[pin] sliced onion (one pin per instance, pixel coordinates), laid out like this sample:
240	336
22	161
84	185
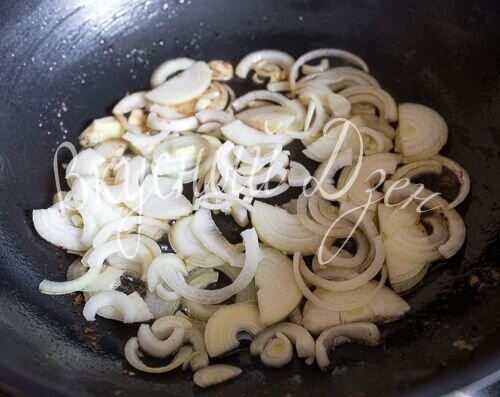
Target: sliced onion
55	226
368	274
298	175
205	229
168	68
301	338
205	116
298	265
421	133
174	278
320	67
341	77
224	325
365	333
132	308
145	144
462	176
156	122
189	247
282	230
277	292
384	305
67	287
132	356
111	148
368	175
337	136
323	53
242	134
416	169
101	130
126	224
189	84
439	205
375	96
271	119
215	374
136	248
160	198
130	102
86	163
276	57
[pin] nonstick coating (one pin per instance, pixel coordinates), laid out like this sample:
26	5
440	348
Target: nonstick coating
66	62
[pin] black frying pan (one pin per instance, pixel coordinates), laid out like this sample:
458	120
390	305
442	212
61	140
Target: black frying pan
65	62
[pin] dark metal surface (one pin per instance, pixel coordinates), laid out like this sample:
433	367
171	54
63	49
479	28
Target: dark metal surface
66	62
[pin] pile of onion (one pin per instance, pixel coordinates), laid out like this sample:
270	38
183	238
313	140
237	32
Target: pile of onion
369	231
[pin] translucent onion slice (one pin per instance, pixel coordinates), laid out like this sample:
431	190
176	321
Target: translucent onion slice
205	229
168	68
277	292
209	115
131	308
323	65
164	337
462	176
338	257
184	157
86	163
382	100
202	201
336	104
257	156
55	226
242	134
67	287
333	139
127	224
364	333
111	148
156	122
368	274
323	176
145	144
278	351
215	374
101	130
384	305
340	77
271	119
108	280
298	175
421	133
298	266
132	355
134	247
129	103
341	229
281	230
241	183
323	53
300	337
174	278
188	247
224	325
416	169
439	205
280	58
160	198
367	177
187	85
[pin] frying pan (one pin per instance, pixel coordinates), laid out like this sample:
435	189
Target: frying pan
66	62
